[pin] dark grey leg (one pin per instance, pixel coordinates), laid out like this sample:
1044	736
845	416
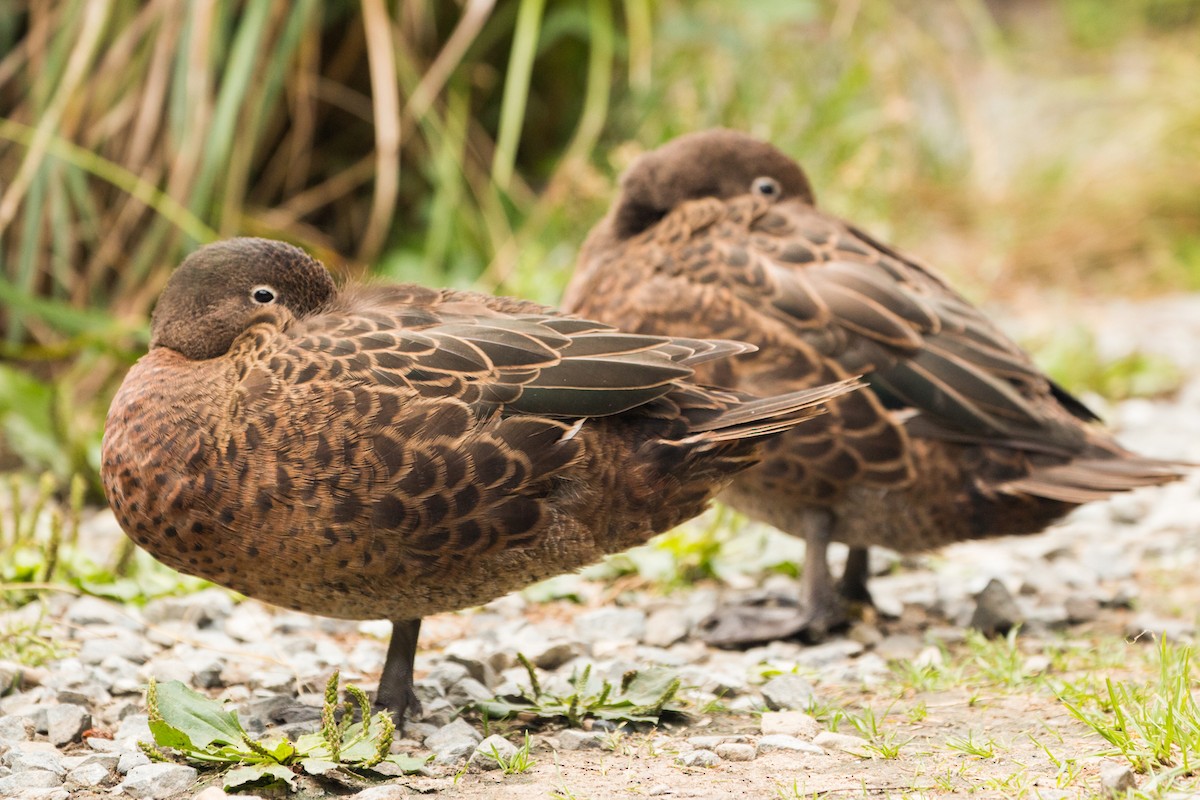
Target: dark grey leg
822	607
853	586
396	684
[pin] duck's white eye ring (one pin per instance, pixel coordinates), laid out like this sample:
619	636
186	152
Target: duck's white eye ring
766	187
263	295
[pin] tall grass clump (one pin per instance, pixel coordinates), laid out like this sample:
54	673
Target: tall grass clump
407	136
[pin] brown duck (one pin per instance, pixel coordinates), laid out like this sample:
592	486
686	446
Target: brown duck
396	451
959	437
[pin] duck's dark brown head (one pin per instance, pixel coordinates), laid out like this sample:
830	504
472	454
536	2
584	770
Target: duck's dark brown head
222	288
715	163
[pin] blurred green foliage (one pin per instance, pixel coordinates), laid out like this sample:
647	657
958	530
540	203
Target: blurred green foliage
41	547
474	142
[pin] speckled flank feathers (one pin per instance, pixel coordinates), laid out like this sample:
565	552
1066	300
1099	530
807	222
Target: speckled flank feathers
960	435
396	451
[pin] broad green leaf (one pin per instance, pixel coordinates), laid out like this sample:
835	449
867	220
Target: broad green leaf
283	751
359	750
317	766
409	764
310	743
166	735
501	709
650	687
202	720
256	773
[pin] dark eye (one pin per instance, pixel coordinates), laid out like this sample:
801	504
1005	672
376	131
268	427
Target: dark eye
263	295
767	187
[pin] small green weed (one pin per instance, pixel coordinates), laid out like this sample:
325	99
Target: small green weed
1152	725
1068	768
793	791
40	550
643	696
564	792
201	731
24	643
980	749
999	661
884	744
520	761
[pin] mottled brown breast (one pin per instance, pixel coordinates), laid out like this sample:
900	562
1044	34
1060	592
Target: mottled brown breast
364	500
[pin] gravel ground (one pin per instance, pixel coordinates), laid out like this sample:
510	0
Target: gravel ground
70	728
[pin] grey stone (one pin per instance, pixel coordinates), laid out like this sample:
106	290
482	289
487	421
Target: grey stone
106	760
31	703
491	751
823	655
665	627
87	695
609	624
1117	779
29	779
1145	626
26	757
552	654
699	758
899	646
42	794
122	644
736	751
87	776
391	792
572	739
789	723
453	742
996	611
779	741
275	680
217	793
87	612
787	691
65	722
122	675
134	726
106	746
707	742
281	709
467	692
131	760
428	691
16	729
208	674
839	741
483	662
155	781
438	711
20	676
248	622
201	609
447	673
419	731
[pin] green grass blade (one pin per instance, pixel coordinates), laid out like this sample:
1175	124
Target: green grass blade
134	185
516	90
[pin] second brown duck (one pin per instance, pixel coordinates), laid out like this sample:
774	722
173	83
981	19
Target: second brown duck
396	451
959	437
